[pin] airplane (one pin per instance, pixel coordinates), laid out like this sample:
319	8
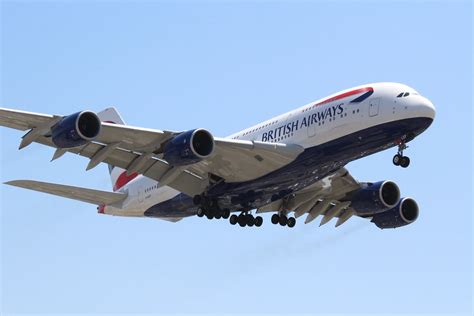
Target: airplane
290	165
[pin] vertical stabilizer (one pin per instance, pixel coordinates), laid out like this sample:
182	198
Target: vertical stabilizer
118	175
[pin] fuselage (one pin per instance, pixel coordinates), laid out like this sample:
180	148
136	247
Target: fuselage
334	130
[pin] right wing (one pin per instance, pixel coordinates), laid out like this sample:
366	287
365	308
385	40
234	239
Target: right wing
76	193
327	197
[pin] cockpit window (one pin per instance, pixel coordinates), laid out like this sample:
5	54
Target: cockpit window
404	94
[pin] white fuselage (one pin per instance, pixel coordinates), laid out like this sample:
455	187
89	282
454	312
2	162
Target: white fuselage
311	125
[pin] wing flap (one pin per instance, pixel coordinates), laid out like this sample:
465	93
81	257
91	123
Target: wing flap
326	197
71	192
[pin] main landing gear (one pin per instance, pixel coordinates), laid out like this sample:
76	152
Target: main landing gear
283	220
399	159
213	213
246	219
210	209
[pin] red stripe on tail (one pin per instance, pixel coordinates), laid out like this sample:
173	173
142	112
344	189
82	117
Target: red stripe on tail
123	179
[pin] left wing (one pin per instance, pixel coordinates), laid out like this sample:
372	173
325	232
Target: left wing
140	150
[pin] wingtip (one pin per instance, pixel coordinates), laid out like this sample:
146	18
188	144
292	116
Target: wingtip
16	183
11	182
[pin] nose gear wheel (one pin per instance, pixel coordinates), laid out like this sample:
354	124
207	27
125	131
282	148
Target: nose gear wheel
399	159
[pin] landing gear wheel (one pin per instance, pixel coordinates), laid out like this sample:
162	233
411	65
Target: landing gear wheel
397	159
234	219
225	214
242	220
291	222
258	221
275	219
405	162
209	215
283	220
218	215
250	220
200	212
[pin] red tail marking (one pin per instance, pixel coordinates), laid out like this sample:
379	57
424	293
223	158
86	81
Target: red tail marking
123	179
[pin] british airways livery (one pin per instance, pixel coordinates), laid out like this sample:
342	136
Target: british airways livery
291	165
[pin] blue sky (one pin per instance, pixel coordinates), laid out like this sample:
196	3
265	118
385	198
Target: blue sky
226	66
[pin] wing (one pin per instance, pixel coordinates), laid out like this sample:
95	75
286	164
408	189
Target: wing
76	193
243	160
327	197
140	150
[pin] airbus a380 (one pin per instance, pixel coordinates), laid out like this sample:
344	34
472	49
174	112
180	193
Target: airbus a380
291	165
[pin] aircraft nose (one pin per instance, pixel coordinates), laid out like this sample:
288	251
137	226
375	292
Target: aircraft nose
427	108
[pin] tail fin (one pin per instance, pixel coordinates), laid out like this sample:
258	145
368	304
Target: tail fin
111	115
118	175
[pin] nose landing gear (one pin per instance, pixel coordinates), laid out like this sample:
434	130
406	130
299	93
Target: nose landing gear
399	159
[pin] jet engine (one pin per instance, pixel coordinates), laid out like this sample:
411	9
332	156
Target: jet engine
376	198
189	147
406	212
76	129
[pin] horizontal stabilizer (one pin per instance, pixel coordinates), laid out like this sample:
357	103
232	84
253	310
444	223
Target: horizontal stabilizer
76	193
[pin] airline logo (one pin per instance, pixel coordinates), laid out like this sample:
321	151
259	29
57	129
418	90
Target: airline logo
329	112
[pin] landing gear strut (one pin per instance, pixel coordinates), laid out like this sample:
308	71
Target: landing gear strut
399	159
283	220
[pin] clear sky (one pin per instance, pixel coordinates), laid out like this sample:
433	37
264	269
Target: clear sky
225	67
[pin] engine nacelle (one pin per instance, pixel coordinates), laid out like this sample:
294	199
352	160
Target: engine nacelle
406	212
189	147
376	198
76	129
